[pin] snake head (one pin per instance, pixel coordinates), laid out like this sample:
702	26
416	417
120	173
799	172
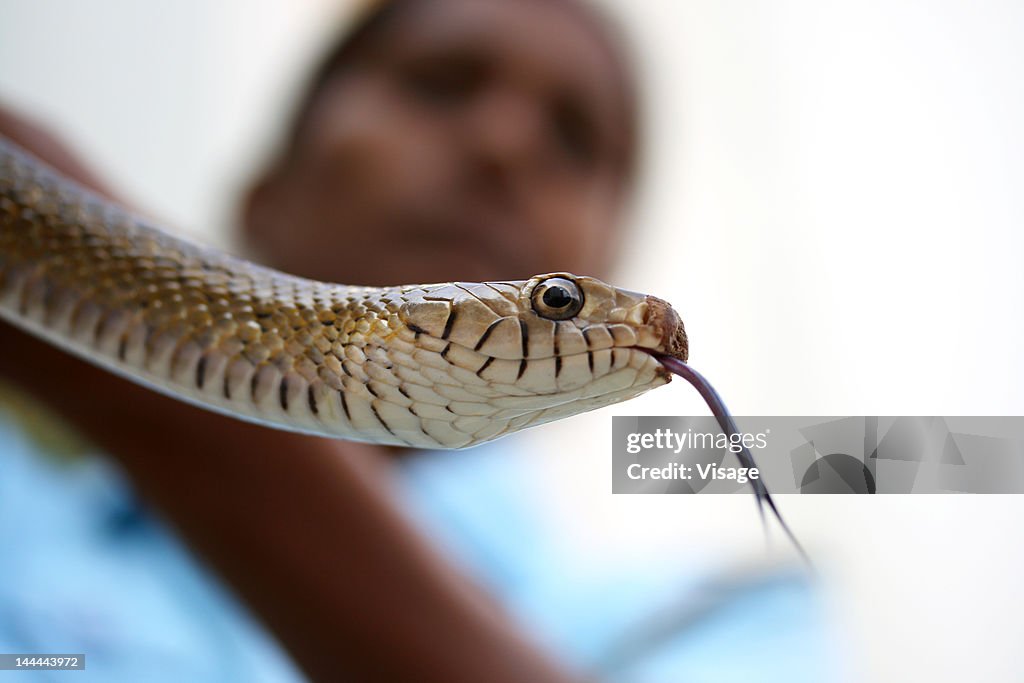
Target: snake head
497	357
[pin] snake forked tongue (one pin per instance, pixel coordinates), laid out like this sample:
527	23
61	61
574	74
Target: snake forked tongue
725	420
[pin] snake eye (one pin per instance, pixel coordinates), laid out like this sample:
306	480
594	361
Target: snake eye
557	299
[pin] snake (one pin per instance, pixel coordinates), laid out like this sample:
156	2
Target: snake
435	366
438	366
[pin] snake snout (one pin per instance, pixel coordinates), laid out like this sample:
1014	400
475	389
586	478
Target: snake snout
669	327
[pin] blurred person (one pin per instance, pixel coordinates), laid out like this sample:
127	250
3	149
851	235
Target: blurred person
440	140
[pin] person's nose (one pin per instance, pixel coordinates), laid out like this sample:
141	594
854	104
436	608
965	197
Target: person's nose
503	131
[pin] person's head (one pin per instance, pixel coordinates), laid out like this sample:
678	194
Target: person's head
455	140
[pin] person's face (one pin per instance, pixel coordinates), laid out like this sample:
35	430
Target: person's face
474	140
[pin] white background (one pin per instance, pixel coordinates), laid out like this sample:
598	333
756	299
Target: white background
832	200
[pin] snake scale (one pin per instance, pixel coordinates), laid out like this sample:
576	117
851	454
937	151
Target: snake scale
446	365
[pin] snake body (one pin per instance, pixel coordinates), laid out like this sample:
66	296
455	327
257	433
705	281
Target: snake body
445	365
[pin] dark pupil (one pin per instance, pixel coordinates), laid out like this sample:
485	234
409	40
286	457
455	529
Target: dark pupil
557	297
